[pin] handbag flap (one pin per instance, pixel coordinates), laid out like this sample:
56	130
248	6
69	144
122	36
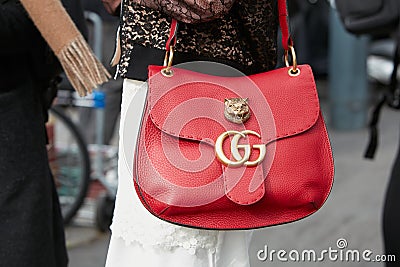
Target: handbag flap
190	105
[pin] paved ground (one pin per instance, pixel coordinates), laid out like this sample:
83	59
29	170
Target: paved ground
353	210
87	246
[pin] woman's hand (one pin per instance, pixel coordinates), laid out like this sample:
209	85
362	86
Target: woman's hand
190	11
113	7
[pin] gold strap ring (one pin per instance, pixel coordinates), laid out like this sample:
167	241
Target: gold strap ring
293	71
169	56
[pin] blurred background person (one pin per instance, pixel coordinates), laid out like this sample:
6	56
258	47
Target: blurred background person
391	214
381	22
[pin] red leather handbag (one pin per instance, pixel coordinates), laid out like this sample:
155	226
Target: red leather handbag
233	152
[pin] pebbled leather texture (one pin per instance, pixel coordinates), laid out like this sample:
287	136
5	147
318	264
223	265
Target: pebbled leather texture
178	177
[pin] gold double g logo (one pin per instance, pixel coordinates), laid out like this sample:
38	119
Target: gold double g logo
239	159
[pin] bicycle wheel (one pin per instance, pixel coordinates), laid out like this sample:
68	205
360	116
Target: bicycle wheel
69	162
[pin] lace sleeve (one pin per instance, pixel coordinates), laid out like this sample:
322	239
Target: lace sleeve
190	11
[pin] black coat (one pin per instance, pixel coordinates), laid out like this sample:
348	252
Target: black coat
31	230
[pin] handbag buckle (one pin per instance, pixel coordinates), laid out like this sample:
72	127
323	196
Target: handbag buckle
240	160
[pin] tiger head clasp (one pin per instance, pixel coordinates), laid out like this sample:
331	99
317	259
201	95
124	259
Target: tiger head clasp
237	110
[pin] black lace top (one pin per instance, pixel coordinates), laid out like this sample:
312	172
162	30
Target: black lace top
242	34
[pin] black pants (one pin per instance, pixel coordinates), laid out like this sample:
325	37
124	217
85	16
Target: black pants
31	229
391	214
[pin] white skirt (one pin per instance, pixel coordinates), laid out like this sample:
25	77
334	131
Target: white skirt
141	239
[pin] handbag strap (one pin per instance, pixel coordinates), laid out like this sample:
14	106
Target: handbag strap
283	23
172	34
391	97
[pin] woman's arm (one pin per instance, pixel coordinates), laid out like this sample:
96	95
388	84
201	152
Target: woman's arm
190	11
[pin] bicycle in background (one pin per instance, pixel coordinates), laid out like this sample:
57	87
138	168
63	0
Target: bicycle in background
74	163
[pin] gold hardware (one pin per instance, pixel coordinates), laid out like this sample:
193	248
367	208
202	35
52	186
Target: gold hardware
293	71
237	110
240	160
167	72
169	56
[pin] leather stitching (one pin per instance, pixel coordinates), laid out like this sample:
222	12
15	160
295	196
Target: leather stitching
281	136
